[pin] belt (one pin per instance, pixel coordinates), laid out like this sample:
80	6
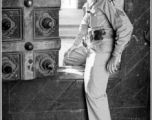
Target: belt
99	35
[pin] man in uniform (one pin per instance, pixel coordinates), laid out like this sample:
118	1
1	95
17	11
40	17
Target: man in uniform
108	31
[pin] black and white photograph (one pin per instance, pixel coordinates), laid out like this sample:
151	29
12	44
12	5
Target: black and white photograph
75	60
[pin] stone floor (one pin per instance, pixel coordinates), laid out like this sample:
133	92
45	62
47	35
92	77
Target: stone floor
69	20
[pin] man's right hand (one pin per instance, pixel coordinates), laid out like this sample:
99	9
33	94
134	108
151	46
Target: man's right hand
113	63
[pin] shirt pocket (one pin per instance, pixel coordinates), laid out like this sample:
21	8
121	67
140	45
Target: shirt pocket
98	19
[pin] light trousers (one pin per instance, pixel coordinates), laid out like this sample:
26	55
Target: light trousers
95	58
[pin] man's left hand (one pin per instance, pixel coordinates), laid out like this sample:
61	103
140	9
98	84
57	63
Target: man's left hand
113	63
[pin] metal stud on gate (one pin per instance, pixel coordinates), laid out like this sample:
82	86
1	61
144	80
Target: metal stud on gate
6	24
29	46
7	68
28	3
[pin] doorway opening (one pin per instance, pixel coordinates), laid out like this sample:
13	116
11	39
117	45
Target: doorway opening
70	16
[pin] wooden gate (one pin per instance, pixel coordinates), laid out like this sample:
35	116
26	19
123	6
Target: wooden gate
30	38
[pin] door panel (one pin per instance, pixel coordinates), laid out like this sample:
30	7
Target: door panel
12	24
12	66
138	47
29	26
43	30
45	60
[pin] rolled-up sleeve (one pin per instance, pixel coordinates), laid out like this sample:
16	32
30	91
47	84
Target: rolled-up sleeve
120	23
83	28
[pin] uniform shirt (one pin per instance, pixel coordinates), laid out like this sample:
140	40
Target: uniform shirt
109	16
